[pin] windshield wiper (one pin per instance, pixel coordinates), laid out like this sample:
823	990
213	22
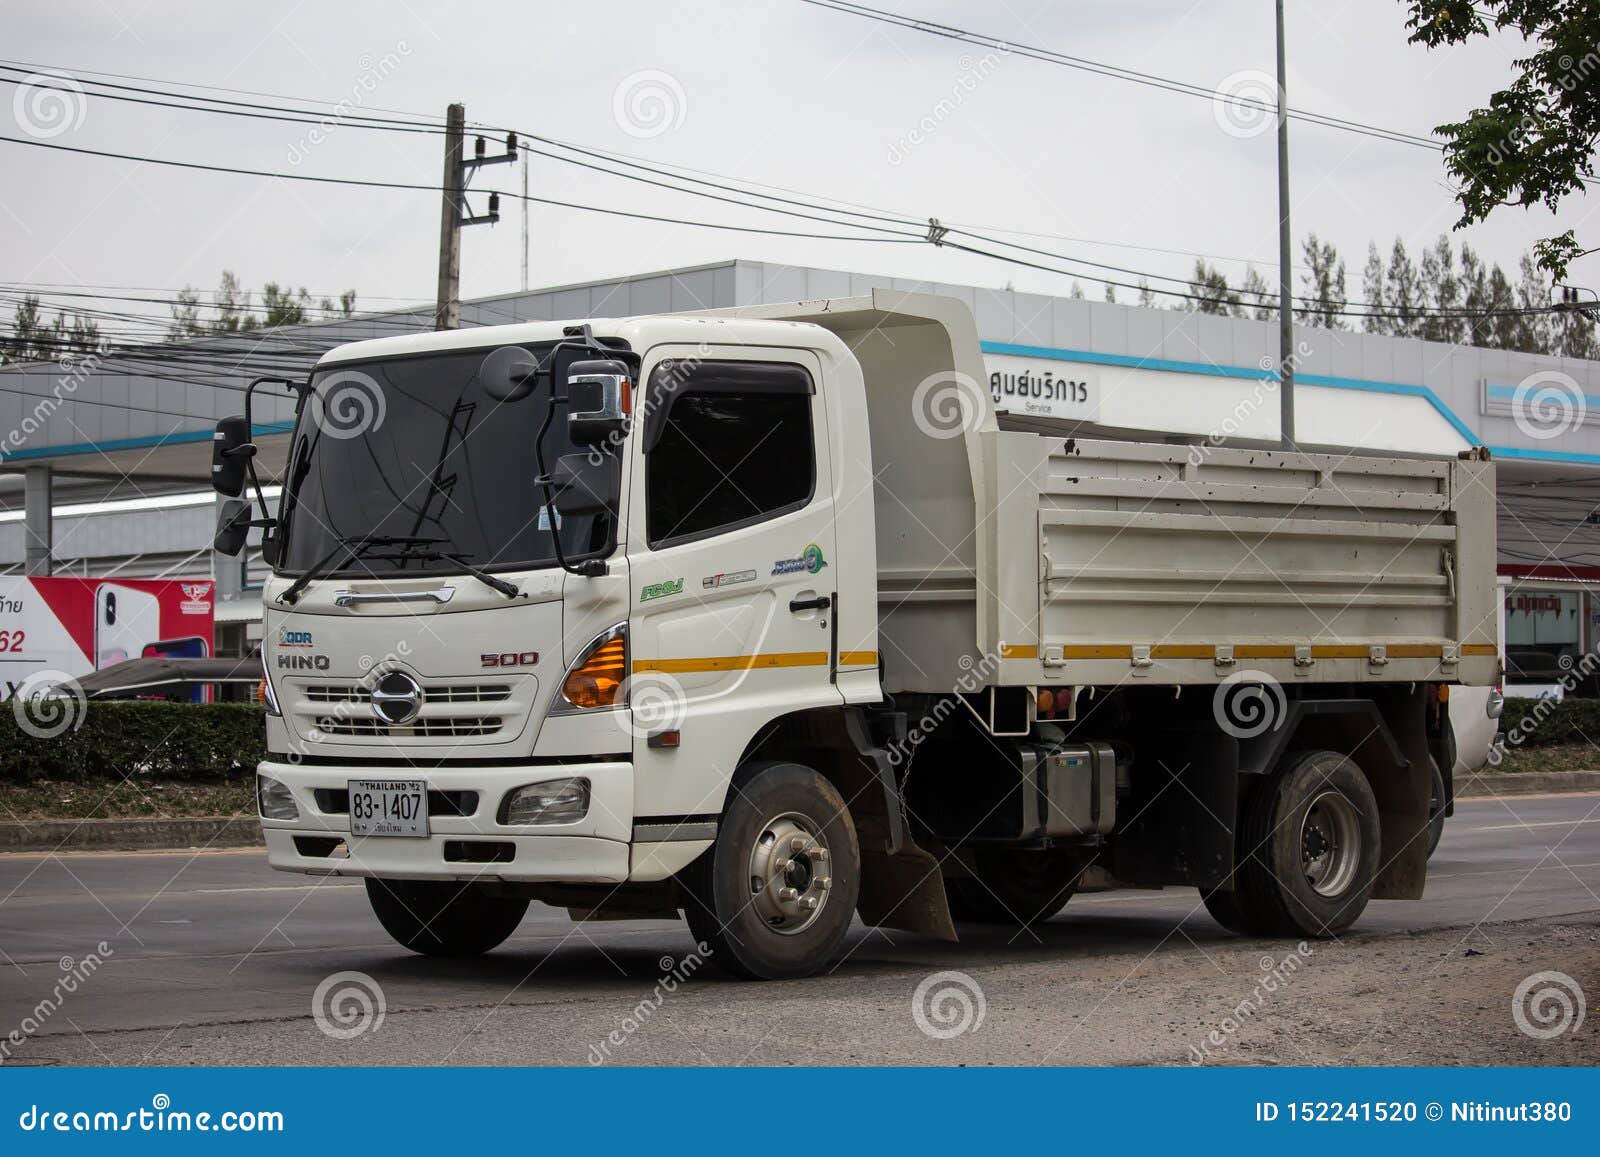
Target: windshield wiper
352	548
493	582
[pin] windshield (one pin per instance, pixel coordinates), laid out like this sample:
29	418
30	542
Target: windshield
416	448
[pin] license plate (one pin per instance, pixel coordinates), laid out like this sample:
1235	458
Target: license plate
388	807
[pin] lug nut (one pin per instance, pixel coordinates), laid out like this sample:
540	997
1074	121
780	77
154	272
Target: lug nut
824	882
797	843
819	853
788	894
811	903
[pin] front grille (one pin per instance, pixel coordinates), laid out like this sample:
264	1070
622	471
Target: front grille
446	726
434	693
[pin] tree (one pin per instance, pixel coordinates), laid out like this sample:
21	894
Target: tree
1211	290
282	307
1534	142
1402	292
1146	297
1324	285
1256	296
1372	280
186	314
233	303
1442	288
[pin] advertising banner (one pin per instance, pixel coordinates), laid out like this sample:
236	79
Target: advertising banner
56	627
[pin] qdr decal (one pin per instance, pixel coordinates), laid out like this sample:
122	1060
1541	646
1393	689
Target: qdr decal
288	638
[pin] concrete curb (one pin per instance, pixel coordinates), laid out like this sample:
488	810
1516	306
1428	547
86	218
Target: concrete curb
1525	783
130	834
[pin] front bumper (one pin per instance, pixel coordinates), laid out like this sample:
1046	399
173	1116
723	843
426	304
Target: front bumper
474	846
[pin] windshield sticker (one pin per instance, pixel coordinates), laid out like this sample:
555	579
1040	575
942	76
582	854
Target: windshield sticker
728	579
660	590
810	561
545	514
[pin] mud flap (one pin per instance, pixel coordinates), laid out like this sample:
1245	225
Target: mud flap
1182	809
904	891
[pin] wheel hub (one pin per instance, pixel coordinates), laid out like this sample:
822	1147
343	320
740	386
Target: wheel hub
1330	844
789	881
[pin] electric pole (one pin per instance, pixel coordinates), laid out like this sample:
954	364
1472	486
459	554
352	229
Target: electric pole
1285	272
447	313
455	213
524	222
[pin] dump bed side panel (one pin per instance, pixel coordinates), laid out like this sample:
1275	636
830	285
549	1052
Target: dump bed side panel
1187	564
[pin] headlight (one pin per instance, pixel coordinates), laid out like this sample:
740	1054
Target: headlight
555	801
275	799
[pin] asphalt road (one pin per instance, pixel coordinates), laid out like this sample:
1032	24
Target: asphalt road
214	958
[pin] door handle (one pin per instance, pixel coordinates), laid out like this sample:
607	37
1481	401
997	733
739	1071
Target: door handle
820	603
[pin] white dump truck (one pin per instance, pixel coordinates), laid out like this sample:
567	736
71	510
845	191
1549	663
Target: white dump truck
780	616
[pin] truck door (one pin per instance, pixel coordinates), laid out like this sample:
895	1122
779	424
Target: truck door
731	551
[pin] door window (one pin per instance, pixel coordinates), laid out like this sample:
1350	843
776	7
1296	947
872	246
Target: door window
727	445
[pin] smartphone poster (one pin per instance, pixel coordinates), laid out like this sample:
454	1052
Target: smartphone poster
73	626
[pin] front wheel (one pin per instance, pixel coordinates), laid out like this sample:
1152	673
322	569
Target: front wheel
774	896
444	917
1307	851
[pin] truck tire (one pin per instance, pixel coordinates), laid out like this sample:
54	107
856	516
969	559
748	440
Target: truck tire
444	917
773	897
1435	809
1308	851
1013	887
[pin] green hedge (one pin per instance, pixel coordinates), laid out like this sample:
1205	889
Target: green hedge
113	739
1543	722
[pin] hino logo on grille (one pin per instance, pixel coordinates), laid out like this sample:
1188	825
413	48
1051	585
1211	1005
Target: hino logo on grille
397	698
302	662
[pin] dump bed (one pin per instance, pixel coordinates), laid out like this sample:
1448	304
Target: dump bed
1183	564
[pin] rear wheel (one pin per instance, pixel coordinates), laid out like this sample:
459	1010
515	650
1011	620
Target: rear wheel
1307	854
774	896
444	917
1436	810
1008	886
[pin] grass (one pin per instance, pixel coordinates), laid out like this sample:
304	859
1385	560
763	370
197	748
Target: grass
170	799
1556	757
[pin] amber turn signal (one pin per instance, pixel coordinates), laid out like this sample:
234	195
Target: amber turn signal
597	680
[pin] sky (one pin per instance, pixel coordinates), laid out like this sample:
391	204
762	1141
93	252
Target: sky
776	92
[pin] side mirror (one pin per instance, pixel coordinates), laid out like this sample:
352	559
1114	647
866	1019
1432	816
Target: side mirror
231	451
599	399
581	485
233	527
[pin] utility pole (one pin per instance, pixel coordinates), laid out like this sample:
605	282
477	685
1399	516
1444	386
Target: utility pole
447	312
524	222
455	213
1285	272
